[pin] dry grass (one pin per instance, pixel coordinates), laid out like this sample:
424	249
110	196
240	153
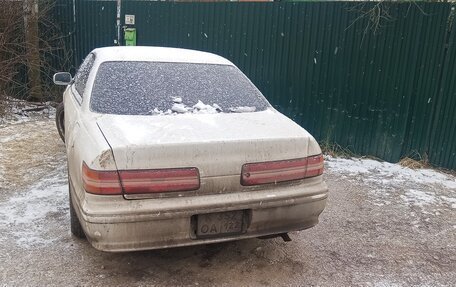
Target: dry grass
413	163
415	160
424	163
336	150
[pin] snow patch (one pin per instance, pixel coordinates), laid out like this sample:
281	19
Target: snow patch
419	197
18	111
202	108
156	111
385	172
179	108
450	200
28	217
9	138
177	100
242	109
424	188
217	107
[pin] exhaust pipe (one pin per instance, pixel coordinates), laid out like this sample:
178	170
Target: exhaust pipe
284	236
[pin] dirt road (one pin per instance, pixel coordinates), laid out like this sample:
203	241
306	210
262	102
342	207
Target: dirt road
384	226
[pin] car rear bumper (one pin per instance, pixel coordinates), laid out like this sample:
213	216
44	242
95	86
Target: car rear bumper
115	224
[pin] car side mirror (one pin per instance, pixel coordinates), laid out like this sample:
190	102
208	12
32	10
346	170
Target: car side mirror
62	79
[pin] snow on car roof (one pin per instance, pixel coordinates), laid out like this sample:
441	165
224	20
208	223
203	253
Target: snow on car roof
157	54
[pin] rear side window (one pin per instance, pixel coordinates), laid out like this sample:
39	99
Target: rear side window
151	88
80	80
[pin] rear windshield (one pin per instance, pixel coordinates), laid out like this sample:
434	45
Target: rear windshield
155	88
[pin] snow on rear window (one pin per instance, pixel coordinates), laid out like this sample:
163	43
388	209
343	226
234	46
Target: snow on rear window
155	88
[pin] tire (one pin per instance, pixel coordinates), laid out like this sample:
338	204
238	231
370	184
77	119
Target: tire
60	121
76	228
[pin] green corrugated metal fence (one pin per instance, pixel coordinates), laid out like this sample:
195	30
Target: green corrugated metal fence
388	94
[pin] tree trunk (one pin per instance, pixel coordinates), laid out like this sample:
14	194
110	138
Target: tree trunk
32	42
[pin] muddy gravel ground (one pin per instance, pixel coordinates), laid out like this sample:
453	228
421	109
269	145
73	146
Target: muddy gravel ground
384	226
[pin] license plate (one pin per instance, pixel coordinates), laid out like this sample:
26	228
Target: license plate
222	223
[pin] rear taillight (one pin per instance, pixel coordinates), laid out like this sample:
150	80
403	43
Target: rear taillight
160	180
140	181
100	182
314	165
279	171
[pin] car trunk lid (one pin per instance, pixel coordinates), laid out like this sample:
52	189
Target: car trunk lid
216	144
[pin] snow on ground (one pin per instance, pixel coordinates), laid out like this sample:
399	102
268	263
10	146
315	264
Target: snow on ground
33	183
19	111
413	187
30	213
389	172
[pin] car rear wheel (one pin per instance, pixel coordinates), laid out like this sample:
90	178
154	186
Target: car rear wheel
76	228
60	121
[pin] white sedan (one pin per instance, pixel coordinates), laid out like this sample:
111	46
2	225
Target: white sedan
172	147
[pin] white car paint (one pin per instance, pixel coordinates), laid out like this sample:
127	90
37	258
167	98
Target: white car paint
158	54
217	144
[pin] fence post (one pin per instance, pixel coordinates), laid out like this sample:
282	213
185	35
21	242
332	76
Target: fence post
119	5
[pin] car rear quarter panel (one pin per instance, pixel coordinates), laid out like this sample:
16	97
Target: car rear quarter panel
89	147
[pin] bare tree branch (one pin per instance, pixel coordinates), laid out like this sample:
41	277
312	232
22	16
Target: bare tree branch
14	47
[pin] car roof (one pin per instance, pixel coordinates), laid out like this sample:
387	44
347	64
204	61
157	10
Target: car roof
157	54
